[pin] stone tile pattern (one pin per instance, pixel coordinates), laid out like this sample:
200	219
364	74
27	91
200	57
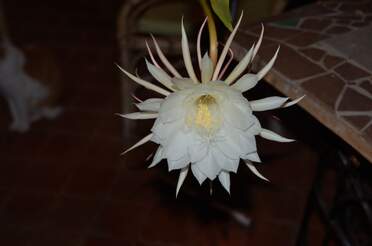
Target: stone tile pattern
338	87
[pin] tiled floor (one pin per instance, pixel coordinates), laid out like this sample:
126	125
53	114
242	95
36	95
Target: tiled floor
65	183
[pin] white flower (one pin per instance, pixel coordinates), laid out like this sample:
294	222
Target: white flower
207	126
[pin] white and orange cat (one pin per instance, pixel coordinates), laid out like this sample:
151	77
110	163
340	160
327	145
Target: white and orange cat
24	94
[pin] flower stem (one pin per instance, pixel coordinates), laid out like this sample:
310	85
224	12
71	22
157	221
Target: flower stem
213	51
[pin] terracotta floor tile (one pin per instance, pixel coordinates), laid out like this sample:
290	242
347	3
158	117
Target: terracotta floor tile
67	147
101	241
104	152
45	177
72	217
90	183
28	146
278	204
43	238
13	238
10	172
27	210
142	183
121	220
74	122
174	225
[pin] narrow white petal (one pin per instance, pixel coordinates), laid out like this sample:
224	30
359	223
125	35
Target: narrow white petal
268	103
224	178
198	46
157	157
160	75
136	98
254	170
226	49
183	83
242	65
206	68
139	143
259	42
151	55
288	104
274	136
231	53
186	55
198	174
139	115
246	82
145	84
268	66
151	104
252	157
181	178
164	60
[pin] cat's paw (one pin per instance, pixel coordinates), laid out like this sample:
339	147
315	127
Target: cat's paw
19	127
52	113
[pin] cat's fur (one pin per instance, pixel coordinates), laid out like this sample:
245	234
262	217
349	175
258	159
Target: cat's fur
23	93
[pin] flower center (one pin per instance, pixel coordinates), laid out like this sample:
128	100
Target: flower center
204	115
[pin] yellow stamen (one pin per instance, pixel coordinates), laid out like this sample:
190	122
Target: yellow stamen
204	117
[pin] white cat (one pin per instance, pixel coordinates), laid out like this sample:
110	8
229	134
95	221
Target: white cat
23	93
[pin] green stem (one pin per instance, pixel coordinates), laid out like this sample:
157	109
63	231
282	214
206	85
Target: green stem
213	49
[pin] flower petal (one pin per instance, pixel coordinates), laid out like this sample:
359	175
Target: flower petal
268	66
151	55
242	65
178	164
255	129
164	60
246	82
288	104
208	166
186	55
270	135
268	103
226	163
139	115
198	49
206	68
252	157
258	42
165	131
224	178
236	117
198	174
176	147
198	150
181	178
139	143
183	83
145	84
254	170
151	104
160	75
225	50
157	157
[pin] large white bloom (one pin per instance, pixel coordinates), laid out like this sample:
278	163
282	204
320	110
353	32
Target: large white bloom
205	125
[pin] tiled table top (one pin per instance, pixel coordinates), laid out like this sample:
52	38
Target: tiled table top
325	54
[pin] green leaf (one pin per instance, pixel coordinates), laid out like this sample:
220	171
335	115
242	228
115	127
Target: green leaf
222	10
